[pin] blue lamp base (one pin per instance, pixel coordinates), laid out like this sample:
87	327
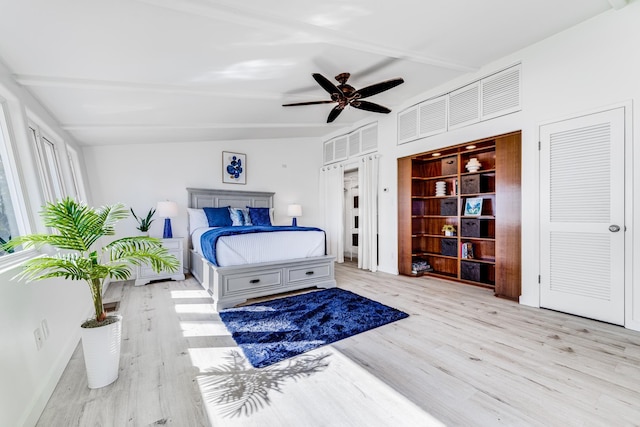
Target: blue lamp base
294	222
168	234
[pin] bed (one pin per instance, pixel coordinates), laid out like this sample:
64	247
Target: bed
234	278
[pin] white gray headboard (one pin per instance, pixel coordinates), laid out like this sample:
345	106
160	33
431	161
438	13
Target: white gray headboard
212	198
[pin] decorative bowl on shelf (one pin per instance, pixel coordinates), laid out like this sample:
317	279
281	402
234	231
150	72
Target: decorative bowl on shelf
473	165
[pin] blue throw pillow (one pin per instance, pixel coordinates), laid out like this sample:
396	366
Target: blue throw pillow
218	217
237	218
260	216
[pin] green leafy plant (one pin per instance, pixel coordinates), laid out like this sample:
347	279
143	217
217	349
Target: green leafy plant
144	222
77	229
449	227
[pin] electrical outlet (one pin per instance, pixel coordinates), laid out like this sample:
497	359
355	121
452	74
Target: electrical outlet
38	336
45	329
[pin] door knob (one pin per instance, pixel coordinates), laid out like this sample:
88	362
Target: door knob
614	228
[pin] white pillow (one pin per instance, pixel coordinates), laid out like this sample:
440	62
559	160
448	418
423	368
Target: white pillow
197	219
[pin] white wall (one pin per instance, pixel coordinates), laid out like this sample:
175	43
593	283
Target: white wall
140	175
591	66
28	376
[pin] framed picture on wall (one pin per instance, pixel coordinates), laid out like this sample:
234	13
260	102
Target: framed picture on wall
473	206
234	168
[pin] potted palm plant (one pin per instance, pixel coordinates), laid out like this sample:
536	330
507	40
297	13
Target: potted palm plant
77	231
144	222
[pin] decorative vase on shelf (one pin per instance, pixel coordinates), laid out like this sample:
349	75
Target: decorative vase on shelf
448	233
473	165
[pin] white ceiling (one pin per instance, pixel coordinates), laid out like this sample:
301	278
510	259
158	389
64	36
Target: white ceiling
151	71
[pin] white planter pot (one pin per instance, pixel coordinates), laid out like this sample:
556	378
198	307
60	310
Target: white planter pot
101	348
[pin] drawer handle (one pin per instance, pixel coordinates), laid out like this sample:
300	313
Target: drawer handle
254	281
309	273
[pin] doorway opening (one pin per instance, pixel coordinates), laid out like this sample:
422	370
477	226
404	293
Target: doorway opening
351	215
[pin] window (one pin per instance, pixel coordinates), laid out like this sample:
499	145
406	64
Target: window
76	175
49	165
9	205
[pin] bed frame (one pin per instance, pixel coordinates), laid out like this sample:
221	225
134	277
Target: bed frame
236	284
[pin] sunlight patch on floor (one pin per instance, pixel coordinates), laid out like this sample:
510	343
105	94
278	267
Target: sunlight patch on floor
199	293
203	358
194	308
319	388
202	328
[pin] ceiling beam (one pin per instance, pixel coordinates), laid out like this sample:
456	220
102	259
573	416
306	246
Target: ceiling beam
80	127
201	90
245	16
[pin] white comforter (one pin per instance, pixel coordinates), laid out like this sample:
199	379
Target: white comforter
255	248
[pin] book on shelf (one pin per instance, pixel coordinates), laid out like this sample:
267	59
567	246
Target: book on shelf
467	250
419	266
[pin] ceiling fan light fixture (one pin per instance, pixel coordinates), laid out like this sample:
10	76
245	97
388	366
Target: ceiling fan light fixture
346	95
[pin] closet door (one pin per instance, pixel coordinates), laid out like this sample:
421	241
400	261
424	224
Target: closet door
582	216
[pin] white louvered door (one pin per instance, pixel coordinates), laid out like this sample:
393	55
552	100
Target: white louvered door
582	216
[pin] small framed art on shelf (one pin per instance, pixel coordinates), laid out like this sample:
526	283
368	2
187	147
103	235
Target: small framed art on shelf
473	206
234	168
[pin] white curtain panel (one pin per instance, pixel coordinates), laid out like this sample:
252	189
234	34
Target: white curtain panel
368	212
332	203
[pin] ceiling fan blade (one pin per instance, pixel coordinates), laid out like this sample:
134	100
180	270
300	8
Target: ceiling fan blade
326	84
308	103
378	87
370	106
335	112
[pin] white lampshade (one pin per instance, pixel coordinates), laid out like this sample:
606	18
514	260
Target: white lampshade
167	209
294	210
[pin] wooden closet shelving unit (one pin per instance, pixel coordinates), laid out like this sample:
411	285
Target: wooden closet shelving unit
494	234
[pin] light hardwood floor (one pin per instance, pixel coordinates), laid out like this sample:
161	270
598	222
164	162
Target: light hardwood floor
462	358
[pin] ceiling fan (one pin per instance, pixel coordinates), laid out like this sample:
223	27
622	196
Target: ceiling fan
345	94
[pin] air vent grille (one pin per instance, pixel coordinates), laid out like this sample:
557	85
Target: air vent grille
433	117
354	143
408	125
487	98
501	93
360	141
328	151
464	105
340	148
369	139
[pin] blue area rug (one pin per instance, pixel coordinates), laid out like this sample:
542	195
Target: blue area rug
275	330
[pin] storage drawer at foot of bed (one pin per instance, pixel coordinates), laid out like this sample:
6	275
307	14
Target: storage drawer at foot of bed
309	272
252	282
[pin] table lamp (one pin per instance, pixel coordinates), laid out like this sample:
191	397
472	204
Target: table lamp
294	211
167	210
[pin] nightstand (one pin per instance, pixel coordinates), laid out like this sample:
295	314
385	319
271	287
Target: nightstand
145	273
